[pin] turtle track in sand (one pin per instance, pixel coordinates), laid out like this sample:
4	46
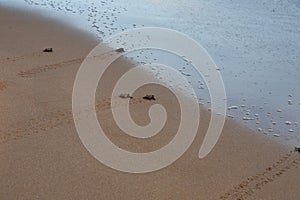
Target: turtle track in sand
49	121
19	58
43	68
65	63
248	187
32	72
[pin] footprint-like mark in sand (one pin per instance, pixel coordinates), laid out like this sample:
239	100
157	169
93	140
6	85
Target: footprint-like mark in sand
248	187
50	120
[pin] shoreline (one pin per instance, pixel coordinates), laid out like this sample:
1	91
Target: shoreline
42	156
270	86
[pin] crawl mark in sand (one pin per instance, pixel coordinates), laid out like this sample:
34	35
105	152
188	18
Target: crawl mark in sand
48	121
47	67
43	68
19	58
248	187
3	85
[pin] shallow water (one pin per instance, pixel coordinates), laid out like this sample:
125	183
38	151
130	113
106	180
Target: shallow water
255	43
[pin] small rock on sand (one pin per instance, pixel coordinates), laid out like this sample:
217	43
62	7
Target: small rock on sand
120	50
248	118
259	129
232	107
270	130
288	122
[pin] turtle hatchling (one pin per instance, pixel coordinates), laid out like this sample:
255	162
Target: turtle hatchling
149	97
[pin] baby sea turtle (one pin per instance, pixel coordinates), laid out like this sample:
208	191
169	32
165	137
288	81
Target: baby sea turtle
149	97
48	50
297	149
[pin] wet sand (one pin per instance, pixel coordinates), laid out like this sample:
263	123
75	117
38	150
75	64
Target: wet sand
42	156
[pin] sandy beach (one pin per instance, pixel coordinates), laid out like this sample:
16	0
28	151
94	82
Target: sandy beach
42	157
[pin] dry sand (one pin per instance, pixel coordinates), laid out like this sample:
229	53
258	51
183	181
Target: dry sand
42	157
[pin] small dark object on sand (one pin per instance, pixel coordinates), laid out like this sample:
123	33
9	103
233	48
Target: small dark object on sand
48	50
120	50
149	97
125	96
297	149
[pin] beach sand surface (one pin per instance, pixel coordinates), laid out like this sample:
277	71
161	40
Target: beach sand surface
42	157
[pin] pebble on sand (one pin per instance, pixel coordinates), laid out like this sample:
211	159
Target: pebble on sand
291	130
248	118
270	130
288	123
120	50
276	135
232	107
